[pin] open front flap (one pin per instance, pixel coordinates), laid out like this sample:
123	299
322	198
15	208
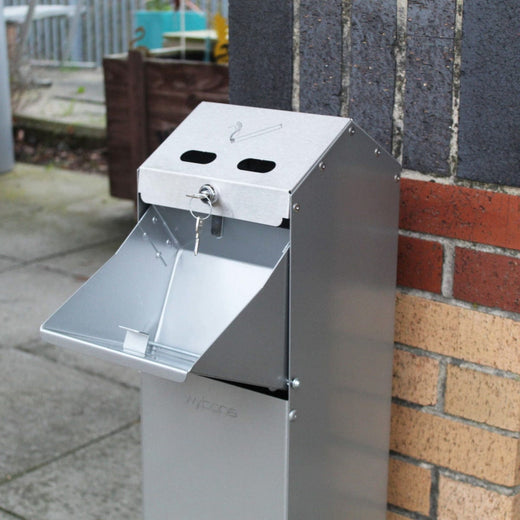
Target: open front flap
157	307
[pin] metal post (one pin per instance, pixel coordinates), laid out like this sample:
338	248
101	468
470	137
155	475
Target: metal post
6	135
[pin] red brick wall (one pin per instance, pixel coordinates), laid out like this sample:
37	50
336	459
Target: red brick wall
456	414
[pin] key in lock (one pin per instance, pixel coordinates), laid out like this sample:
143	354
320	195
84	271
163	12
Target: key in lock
208	195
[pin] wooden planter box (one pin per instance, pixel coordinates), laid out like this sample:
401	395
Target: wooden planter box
146	98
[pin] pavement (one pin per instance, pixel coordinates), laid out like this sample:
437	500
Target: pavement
73	104
69	425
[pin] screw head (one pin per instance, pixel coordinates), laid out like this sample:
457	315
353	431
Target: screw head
322	165
377	152
351	130
295	383
296	207
293	415
154	220
397	178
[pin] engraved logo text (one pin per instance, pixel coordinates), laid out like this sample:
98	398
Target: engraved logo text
204	404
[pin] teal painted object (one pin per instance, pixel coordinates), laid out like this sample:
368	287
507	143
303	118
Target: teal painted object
156	23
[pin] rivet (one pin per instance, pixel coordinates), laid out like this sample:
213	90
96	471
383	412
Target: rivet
377	152
154	220
351	130
295	383
296	207
168	242
322	165
293	415
397	178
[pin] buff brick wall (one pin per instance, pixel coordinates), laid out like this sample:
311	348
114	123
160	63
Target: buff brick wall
455	442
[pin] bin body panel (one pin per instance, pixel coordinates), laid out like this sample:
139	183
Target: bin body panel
212	451
343	265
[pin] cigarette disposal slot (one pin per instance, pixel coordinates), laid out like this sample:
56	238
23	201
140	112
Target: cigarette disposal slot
198	157
256	165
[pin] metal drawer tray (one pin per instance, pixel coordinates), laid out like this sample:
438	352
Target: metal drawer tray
157	307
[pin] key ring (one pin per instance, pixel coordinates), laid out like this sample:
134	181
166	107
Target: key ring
200	196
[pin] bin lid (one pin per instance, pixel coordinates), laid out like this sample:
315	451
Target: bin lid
254	157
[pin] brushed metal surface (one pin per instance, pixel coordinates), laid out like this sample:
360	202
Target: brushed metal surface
292	140
343	268
254	347
212	451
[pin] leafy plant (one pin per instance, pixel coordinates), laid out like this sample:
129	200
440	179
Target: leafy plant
158	5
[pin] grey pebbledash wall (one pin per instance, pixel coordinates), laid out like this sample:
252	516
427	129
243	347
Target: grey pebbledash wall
437	83
489	135
261	45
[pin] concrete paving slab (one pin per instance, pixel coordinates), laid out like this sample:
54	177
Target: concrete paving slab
61	455
88	364
76	98
49	410
98	482
80	84
6	263
83	264
28	296
46	211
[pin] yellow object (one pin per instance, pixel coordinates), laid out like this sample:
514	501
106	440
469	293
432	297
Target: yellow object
221	49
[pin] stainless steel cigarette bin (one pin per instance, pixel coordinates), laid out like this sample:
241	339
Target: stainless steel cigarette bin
256	296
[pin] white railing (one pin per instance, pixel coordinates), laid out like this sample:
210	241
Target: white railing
106	27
